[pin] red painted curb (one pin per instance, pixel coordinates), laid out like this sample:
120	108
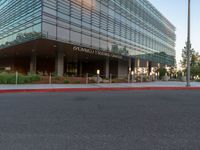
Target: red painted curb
95	89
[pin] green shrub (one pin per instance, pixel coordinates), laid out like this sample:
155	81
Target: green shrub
34	78
78	82
162	72
10	78
57	77
66	81
21	80
7	78
198	80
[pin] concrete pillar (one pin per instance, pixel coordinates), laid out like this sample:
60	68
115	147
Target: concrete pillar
137	65
122	68
33	63
59	63
76	66
147	67
138	62
107	67
150	67
129	65
80	68
158	65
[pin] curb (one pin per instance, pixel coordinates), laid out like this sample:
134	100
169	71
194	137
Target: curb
95	89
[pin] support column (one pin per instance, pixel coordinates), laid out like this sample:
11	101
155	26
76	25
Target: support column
122	68
33	63
80	68
137	63
107	67
147	68
150	67
59	63
129	66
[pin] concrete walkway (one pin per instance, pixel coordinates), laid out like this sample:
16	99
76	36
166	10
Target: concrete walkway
113	85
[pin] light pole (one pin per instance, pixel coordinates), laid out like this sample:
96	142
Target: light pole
188	47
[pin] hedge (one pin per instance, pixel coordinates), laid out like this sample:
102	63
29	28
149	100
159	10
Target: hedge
10	78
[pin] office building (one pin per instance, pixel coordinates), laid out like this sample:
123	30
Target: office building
74	37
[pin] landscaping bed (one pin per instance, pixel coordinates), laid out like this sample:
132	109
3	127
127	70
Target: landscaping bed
61	80
10	78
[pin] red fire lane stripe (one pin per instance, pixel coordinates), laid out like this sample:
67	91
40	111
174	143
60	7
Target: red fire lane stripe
95	89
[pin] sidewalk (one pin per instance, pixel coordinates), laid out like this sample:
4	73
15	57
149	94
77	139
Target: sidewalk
159	85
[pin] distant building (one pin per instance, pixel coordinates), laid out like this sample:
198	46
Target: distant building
75	37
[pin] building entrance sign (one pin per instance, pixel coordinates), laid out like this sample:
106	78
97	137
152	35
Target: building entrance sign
96	52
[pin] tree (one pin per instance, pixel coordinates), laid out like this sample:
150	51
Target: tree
162	71
172	71
195	71
193	58
194	62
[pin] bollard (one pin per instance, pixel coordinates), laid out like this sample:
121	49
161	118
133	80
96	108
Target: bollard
156	76
97	78
129	78
98	73
132	76
50	79
16	79
110	78
86	78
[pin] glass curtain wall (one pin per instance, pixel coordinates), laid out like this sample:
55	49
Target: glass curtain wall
20	21
127	27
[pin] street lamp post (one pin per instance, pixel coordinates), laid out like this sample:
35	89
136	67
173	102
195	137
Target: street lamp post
188	47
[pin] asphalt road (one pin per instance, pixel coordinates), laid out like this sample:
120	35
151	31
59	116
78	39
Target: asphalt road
126	120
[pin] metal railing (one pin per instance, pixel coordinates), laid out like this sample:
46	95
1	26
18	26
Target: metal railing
88	78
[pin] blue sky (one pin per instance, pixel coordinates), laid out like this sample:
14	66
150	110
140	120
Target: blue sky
176	12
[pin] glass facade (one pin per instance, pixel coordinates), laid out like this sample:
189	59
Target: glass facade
20	21
127	27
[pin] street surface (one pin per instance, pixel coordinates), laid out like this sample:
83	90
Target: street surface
117	120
